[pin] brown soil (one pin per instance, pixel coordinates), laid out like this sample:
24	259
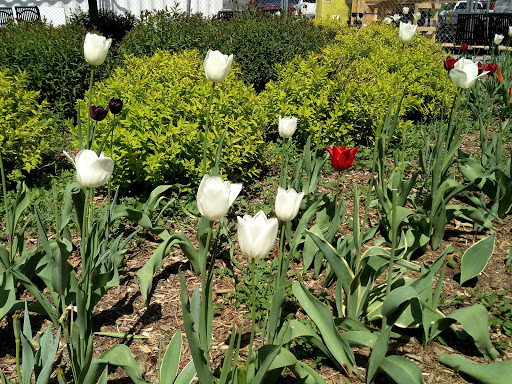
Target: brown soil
123	310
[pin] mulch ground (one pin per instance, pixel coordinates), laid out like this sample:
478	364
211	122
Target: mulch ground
123	310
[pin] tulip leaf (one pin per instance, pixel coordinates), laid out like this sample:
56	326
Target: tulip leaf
378	354
170	363
154	263
119	355
395	299
402	370
310	248
198	356
476	258
494	373
321	315
475	319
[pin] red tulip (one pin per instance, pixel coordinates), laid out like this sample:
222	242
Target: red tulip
342	158
481	67
464	48
491	68
449	63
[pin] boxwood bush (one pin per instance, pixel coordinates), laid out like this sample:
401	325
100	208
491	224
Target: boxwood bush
257	40
53	59
160	133
342	94
26	125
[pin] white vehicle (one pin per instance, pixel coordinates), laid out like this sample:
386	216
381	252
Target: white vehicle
306	8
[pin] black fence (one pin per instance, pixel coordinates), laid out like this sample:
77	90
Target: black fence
480	28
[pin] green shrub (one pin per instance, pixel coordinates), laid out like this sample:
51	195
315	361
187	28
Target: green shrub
258	41
25	125
110	24
162	123
342	94
54	60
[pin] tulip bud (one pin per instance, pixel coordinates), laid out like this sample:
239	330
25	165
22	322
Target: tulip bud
449	63
481	67
215	196
396	18
387	20
417	16
256	235
92	171
287	126
406	32
498	39
288	203
115	106
97	113
96	48
405	10
217	66
464	48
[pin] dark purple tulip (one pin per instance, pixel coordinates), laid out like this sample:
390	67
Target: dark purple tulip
115	105
97	113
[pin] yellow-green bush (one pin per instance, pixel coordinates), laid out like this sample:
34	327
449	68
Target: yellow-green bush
160	136
342	94
24	124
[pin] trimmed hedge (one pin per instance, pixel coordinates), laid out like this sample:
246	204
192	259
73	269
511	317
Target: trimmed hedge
342	94
258	41
160	138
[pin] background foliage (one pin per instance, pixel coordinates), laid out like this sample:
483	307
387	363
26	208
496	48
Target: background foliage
25	124
53	58
162	123
342	93
258	41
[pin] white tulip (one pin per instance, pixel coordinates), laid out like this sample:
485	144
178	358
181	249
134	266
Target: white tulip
96	48
396	18
287	203
465	73
92	171
417	16
406	32
256	235
387	20
217	66
405	10
287	126
498	39
215	196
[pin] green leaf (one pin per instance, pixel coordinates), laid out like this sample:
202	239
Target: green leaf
475	319
203	369
494	373
476	258
402	370
121	356
322	317
394	300
379	351
170	363
187	374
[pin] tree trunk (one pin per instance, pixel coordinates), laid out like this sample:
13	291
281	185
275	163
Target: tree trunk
93	11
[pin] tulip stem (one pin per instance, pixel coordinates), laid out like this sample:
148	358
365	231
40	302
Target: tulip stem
396	180
284	166
205	143
4	192
281	253
88	108
253	310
